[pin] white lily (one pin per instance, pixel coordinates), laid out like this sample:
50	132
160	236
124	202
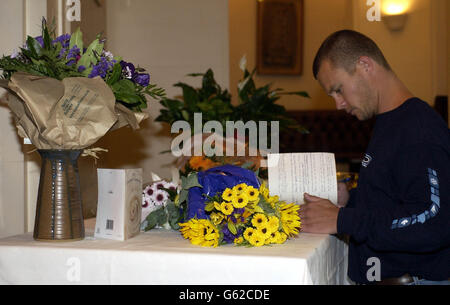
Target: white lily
243	63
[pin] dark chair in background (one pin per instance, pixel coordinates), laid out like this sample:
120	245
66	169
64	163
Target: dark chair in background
329	131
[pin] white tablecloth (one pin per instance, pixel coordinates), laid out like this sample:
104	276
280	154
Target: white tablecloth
164	257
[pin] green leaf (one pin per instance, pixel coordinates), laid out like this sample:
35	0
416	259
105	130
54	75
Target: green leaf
127	97
299	93
192	181
265	206
209	85
46	36
174	215
209	207
157	217
190	95
232	228
115	75
33	46
77	40
183	196
185	114
90	56
195	74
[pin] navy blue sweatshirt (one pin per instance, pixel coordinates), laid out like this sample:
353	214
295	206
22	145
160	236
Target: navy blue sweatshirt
400	211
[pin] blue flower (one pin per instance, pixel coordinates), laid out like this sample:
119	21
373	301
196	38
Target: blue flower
213	181
61	53
64	40
40	40
142	79
101	69
129	72
128	69
229	237
73	53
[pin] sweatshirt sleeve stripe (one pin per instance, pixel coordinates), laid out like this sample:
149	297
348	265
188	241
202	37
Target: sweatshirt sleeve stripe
428	214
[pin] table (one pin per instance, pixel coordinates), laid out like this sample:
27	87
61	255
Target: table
165	257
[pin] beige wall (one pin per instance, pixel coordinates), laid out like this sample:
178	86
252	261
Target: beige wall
417	53
321	17
17	18
170	38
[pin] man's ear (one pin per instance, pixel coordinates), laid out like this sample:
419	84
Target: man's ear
365	64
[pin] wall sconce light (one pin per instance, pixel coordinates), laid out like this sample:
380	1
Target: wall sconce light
395	14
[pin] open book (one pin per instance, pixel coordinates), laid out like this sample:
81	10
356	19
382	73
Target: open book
293	174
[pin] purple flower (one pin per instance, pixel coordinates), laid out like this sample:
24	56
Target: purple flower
40	40
64	40
61	53
239	211
229	237
73	53
129	72
128	69
101	69
142	79
72	56
81	68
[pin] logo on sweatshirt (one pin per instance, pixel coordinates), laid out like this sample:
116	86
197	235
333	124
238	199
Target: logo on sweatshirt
365	162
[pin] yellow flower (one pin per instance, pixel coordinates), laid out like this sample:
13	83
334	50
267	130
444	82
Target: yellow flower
259	220
216	218
290	220
240	188
228	194
263	190
252	193
226	208
238	240
274	237
257	240
264	231
200	232
240	201
217	206
274	223
281	238
272	200
248	233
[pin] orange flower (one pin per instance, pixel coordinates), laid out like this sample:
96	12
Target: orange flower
201	163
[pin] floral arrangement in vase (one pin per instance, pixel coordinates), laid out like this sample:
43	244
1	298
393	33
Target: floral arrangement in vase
64	96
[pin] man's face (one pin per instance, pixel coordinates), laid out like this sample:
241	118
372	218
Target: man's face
351	92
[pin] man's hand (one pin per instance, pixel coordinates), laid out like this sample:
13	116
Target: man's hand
318	215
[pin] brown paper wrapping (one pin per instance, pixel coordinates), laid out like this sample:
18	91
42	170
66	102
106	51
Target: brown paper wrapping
70	114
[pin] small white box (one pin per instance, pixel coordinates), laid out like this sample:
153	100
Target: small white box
119	203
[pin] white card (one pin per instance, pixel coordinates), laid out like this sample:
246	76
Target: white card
293	174
119	203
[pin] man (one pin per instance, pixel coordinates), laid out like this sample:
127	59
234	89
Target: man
399	215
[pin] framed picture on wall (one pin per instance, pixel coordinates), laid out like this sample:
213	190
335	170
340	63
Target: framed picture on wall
279	37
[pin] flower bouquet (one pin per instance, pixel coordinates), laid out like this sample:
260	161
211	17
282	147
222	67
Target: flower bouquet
228	205
158	205
64	97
